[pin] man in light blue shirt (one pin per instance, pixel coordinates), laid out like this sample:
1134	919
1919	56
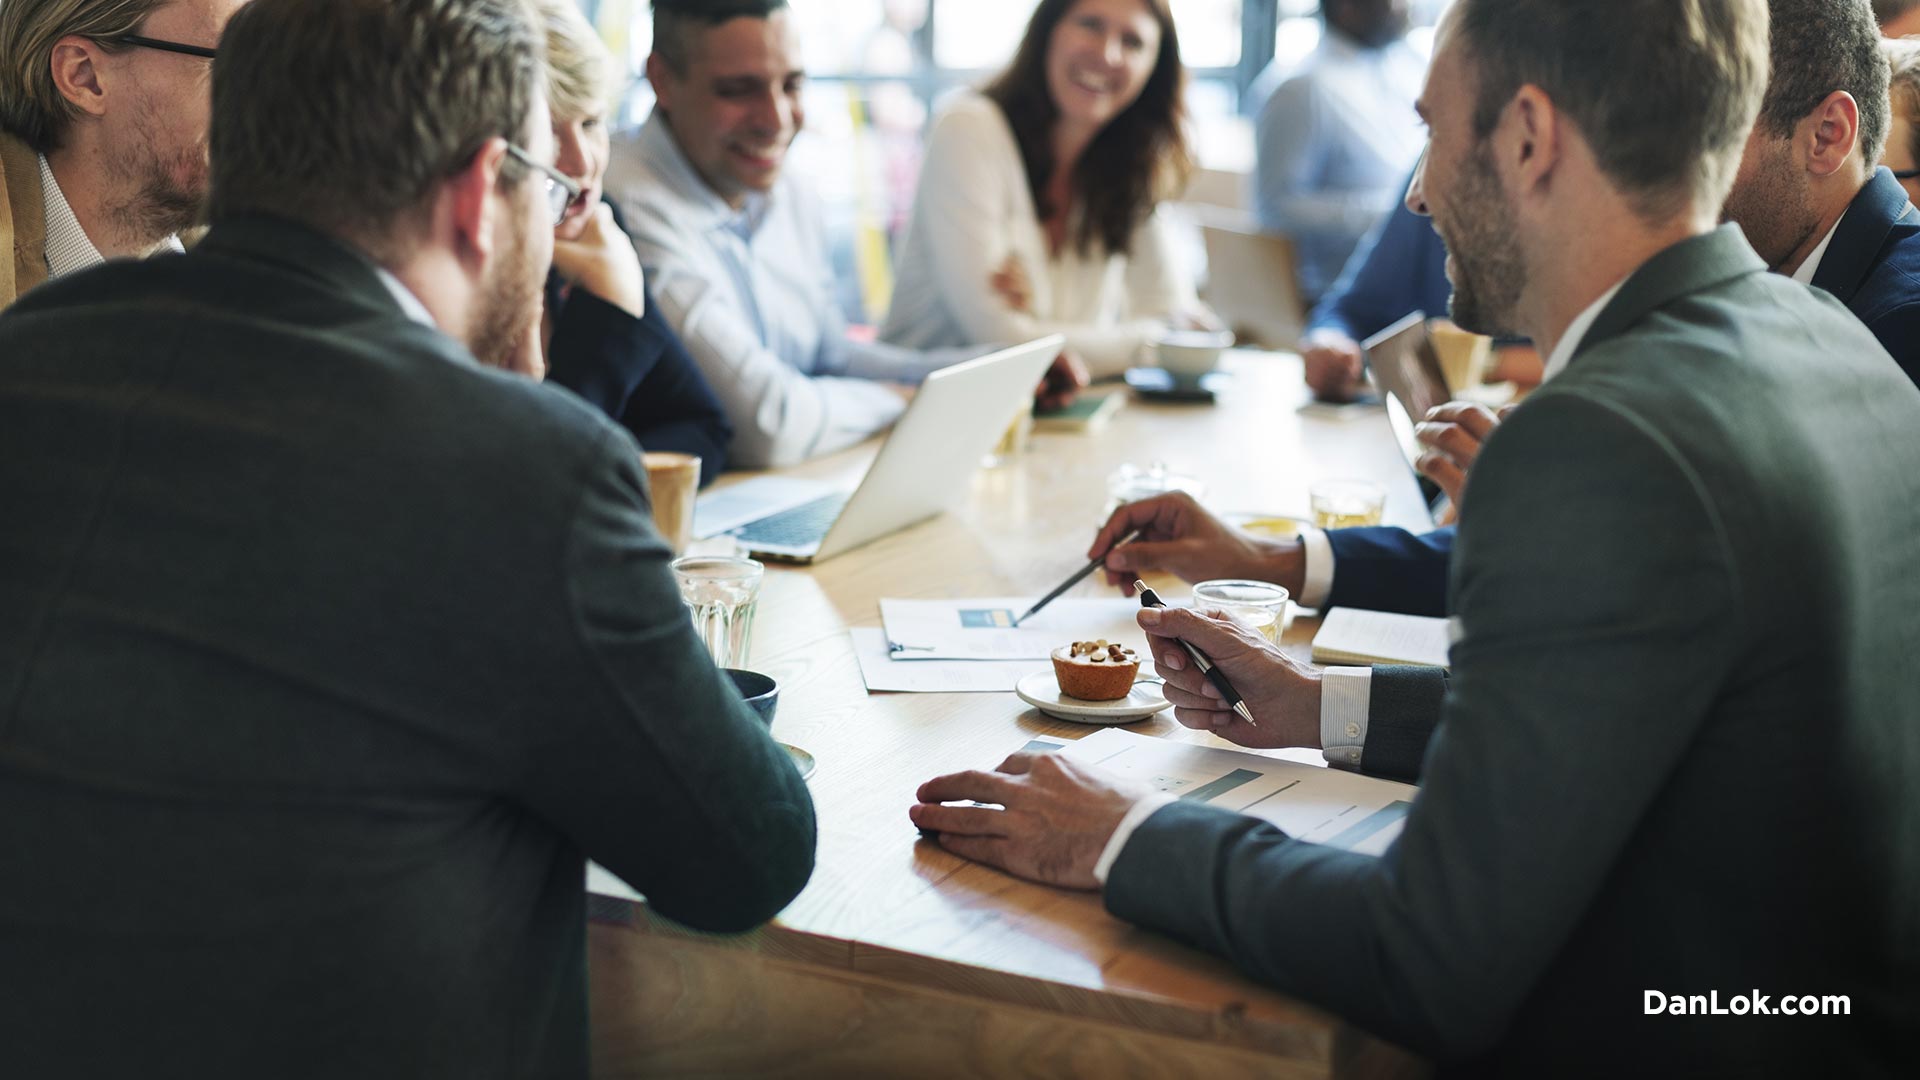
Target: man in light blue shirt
1337	134
735	247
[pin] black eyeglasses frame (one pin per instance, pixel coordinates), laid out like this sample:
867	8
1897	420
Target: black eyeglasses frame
165	46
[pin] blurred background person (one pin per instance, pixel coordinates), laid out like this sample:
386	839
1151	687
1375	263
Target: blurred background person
1902	153
1036	205
736	244
1898	18
1336	135
605	338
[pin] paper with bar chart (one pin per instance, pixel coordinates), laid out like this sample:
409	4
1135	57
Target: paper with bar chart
982	629
1325	806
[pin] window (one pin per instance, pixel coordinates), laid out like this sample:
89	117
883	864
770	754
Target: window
1209	32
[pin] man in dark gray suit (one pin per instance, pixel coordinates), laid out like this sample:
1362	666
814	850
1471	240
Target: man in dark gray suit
325	653
1676	753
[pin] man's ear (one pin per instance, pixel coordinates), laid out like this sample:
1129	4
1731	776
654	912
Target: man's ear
1828	136
660	77
79	73
1527	142
469	196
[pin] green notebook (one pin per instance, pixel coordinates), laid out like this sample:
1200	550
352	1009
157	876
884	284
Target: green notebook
1089	412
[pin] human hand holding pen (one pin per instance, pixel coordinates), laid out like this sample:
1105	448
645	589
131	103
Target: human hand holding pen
1283	695
1179	536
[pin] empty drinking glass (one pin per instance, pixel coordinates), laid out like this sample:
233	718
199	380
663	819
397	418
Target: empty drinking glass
721	594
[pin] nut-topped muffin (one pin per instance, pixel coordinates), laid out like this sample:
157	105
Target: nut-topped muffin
1095	670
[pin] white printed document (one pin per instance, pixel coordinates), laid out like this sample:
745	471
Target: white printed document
881	672
984	630
1311	802
1354	636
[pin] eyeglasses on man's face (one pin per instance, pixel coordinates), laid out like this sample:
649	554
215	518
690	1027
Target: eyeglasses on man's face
165	46
561	190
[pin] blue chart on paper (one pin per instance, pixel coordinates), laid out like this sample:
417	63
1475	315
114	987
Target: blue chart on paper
1372	823
1207	792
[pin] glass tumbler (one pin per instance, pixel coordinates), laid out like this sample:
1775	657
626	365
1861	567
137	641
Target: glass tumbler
721	593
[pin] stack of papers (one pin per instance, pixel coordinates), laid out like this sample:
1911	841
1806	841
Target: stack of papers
984	630
971	645
1355	636
1311	802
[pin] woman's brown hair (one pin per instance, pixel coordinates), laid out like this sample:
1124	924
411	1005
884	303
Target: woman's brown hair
1140	157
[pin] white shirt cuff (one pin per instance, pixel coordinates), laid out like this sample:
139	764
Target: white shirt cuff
1141	811
1318	583
1345	693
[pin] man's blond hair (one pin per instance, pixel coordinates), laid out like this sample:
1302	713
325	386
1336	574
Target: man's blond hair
31	106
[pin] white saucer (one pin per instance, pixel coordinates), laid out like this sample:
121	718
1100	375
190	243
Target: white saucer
1042	691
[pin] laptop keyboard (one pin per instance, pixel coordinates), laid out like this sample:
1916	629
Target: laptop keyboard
804	524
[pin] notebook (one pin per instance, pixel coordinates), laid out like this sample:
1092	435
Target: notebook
1088	413
1357	636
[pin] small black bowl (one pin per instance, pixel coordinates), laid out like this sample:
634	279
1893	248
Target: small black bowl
760	691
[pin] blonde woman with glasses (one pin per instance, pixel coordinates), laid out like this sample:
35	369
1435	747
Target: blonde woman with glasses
605	339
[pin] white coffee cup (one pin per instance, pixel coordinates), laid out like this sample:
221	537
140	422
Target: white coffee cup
1189	354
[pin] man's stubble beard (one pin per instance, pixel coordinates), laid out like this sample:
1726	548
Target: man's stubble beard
1489	269
509	303
165	190
1773	208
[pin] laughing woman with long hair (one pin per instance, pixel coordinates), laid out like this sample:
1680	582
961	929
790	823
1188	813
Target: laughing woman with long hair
1036	206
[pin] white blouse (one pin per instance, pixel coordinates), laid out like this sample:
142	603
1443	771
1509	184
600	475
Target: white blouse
973	209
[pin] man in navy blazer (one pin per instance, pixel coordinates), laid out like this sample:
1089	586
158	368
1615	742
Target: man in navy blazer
1812	204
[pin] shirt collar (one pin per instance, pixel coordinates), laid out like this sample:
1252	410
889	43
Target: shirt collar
1577	330
1804	275
68	246
409	303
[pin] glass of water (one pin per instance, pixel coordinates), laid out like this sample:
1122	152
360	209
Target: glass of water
721	593
1259	605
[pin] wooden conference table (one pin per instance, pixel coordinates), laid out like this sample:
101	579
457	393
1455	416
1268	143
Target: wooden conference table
901	959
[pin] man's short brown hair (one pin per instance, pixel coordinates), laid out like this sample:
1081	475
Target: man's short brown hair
346	115
1664	91
1820	46
31	106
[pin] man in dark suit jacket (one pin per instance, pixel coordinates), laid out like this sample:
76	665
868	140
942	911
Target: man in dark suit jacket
1675	754
326	654
1810	199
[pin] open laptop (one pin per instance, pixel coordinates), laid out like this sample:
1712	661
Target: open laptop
1407	367
1251	284
959	413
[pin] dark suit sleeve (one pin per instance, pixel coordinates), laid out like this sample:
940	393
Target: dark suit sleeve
1390	570
652	763
638	372
1899	332
1588	661
1403	709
